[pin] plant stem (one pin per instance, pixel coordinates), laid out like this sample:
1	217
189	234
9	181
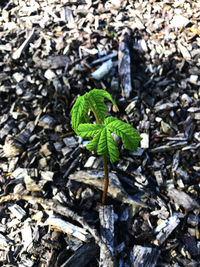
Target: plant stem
104	157
106	178
94	112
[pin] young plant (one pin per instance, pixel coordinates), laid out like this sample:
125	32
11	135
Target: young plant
103	141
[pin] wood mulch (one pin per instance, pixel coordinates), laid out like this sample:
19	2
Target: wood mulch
146	54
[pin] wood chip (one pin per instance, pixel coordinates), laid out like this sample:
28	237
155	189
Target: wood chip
106	215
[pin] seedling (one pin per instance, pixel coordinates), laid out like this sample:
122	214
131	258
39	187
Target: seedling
103	141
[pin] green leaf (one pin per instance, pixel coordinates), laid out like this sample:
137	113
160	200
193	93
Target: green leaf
107	146
109	120
92	146
88	129
103	93
79	112
103	141
99	106
96	97
113	151
130	137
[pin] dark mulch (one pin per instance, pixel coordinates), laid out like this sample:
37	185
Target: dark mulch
50	185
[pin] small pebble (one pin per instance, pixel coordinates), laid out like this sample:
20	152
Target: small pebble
165	127
49	74
194	79
90	162
179	21
18	76
144	143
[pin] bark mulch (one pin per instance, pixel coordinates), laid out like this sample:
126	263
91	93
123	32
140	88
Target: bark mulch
146	54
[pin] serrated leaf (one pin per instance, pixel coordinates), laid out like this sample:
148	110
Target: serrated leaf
96	96
103	141
92	145
102	145
87	129
113	151
99	106
79	112
109	120
103	93
130	137
107	146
